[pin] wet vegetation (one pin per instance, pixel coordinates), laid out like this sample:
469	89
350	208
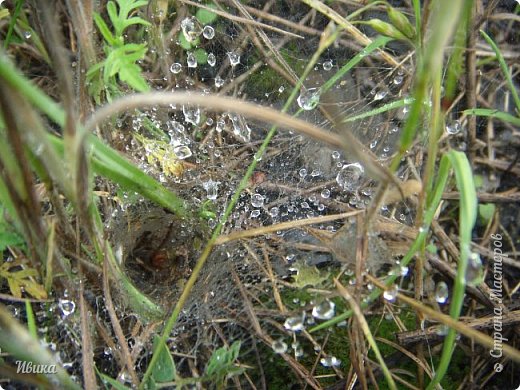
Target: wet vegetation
267	195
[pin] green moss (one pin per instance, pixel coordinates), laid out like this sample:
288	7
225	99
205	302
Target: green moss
267	80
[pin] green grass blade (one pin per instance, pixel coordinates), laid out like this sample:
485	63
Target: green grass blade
387	107
467	218
31	322
503	66
418	22
504	116
12	23
380	41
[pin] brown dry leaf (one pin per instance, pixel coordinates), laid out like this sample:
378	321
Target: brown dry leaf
409	188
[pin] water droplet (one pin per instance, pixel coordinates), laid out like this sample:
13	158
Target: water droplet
441	292
298	351
191	28
391	293
443	330
295	324
474	271
309	98
191	115
453	127
211	188
281	89
398	79
219	81
125	378
279	346
325	194
240	127
212	60
327	65
208	32
381	94
257	200
335	155
182	152
330	361
324	311
175	68
349	176
27	34
220	125
191	60
66	306
234	58
255	213
302	172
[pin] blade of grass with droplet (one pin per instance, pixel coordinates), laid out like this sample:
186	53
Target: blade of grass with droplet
467	218
384	108
379	42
